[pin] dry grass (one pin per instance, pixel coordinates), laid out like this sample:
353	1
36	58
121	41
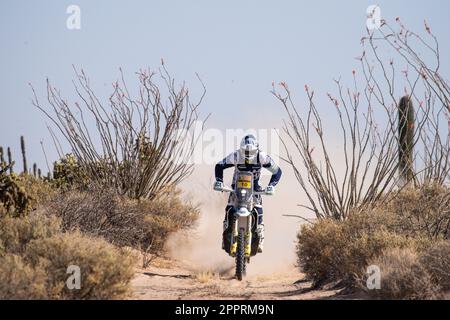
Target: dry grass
35	255
437	262
205	276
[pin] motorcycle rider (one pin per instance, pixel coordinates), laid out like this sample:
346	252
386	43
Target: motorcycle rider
248	158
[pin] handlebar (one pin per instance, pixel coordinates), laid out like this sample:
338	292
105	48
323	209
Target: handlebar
231	190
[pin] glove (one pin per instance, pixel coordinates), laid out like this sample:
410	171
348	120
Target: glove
218	186
270	190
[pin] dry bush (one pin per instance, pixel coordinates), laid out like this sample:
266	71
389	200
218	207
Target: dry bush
141	224
437	262
105	270
99	213
315	251
339	251
166	215
332	250
404	277
423	211
35	255
20	280
17	233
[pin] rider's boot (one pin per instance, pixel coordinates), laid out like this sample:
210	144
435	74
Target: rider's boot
260	226
225	227
260	231
226	222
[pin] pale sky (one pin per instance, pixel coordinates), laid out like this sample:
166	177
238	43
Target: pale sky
237	47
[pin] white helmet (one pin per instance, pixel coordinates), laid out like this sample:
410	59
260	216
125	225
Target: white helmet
249	148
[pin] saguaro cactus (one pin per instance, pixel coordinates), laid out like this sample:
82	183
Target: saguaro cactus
405	139
2	157
10	161
24	157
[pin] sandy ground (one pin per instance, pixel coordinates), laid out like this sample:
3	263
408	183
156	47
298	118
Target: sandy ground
168	279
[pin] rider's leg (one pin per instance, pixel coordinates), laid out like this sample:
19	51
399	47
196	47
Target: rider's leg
226	222
260	227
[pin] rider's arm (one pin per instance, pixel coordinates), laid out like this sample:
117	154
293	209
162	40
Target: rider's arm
227	162
268	163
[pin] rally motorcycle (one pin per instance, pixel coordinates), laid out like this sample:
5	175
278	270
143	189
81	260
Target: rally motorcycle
241	239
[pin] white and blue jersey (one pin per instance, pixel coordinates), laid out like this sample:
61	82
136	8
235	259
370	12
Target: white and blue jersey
236	160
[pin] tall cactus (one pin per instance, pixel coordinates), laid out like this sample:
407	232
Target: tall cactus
2	157
35	169
24	157
406	139
10	161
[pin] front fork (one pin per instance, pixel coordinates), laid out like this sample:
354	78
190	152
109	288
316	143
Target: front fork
246	224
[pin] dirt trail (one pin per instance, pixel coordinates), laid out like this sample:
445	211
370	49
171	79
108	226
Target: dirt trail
168	279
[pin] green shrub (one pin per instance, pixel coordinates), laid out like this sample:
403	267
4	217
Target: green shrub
68	174
21	193
14	199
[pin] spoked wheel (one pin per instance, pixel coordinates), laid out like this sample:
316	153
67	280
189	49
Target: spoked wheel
240	256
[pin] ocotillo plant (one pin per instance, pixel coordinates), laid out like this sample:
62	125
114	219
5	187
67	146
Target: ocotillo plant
24	157
10	161
405	139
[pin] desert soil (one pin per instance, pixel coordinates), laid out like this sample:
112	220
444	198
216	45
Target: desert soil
172	279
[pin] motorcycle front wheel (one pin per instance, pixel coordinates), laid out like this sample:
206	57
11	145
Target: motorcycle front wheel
240	255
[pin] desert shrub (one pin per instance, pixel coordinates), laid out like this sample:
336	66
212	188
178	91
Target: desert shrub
21	193
316	253
165	215
403	276
105	270
35	255
99	213
17	233
39	191
332	250
142	224
68	174
416	219
436	261
422	211
20	280
13	197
